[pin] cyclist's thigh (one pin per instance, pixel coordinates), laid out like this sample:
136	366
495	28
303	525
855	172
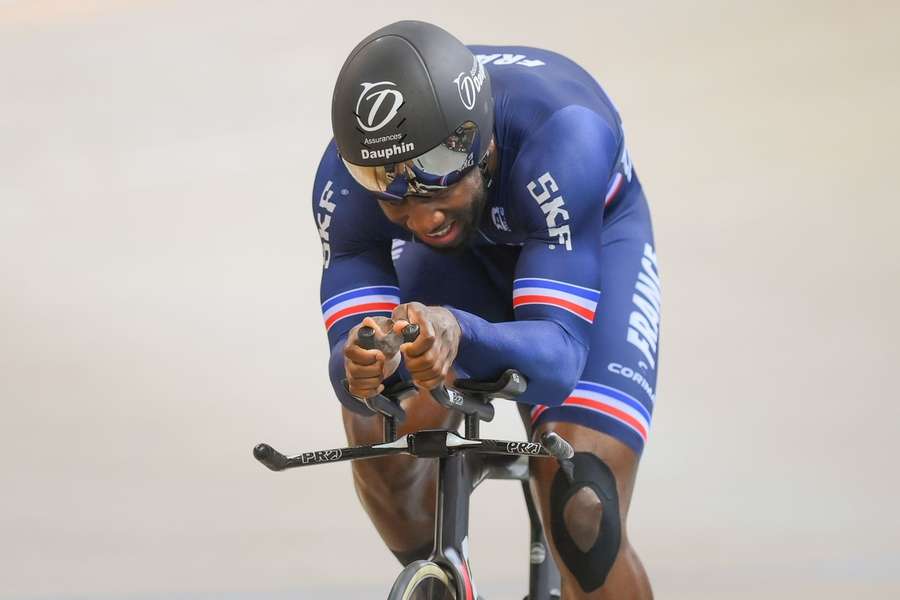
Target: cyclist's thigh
616	392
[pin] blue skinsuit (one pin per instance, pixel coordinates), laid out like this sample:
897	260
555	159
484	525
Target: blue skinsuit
561	280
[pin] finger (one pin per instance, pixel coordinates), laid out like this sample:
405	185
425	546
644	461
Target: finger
399	312
379	326
361	356
417	364
427	374
416	316
426	338
418	348
362	392
358	372
429	384
400	325
365	381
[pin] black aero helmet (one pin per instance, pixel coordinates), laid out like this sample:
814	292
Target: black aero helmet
412	110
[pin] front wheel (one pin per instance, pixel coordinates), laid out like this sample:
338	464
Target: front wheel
422	580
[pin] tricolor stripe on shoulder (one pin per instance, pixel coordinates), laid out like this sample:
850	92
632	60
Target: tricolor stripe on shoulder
580	301
614	188
364	300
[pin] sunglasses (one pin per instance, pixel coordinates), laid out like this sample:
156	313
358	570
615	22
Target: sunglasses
424	176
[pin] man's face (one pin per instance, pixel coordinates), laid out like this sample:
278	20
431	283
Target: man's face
446	221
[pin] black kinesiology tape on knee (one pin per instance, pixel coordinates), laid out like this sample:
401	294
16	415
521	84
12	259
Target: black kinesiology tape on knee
590	568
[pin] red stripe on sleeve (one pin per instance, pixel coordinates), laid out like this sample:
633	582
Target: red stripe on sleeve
610	410
564	304
362	308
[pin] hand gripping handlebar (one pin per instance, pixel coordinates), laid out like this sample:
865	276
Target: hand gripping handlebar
474	402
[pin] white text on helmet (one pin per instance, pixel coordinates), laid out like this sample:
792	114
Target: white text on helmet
469	84
386	153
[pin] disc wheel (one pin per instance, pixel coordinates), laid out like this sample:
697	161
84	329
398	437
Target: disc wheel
423	580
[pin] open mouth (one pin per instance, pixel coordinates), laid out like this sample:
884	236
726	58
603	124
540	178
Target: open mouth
444	236
442	231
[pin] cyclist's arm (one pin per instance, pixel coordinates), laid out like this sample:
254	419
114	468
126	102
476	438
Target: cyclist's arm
358	277
560	180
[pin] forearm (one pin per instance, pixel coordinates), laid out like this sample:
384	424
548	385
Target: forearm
549	357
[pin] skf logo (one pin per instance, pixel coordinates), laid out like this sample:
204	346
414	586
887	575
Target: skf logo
469	84
377	117
323	221
556	216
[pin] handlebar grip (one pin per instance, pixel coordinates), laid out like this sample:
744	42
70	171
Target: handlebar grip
557	446
410	332
270	457
365	338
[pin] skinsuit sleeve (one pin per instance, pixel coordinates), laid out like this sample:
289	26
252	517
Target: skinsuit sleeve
559	180
358	277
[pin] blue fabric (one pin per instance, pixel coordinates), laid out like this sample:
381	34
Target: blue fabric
565	218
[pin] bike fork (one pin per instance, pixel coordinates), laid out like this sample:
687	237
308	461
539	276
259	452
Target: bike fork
456	474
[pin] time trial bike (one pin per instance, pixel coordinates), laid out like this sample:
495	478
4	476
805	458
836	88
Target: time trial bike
463	463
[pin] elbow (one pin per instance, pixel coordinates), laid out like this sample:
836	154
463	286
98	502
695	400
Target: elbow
561	372
563	382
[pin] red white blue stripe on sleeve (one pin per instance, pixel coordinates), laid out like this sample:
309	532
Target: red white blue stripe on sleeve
614	188
364	300
580	301
607	401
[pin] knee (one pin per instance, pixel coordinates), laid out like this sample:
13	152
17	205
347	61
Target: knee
584	519
582	516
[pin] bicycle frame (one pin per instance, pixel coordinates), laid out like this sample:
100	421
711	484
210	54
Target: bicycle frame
463	463
458	476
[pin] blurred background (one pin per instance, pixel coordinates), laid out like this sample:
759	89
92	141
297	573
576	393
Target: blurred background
159	313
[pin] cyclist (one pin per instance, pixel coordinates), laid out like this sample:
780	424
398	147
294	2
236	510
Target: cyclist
486	194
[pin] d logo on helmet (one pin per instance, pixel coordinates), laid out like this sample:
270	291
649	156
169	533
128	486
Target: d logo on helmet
376	99
469	84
